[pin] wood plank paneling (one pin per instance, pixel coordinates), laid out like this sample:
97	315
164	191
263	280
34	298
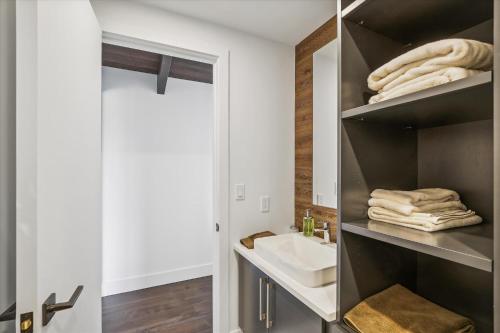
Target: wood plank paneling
304	125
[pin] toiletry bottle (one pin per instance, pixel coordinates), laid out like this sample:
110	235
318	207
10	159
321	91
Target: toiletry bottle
308	224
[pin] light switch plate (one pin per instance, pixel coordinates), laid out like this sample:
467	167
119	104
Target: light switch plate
265	204
319	199
239	190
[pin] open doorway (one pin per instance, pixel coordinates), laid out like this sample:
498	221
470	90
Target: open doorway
158	192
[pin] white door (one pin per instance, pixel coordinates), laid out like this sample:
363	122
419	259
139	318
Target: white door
58	162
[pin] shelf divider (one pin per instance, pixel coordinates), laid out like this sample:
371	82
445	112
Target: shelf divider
471	246
451	103
353	7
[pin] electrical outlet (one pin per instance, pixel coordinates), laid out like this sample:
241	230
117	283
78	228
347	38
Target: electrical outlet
319	199
239	190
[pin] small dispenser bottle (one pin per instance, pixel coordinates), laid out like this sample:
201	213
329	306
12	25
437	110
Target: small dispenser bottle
308	224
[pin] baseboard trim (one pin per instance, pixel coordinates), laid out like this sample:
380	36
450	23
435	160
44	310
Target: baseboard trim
156	279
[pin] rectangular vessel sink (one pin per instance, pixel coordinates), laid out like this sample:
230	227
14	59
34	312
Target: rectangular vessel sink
302	258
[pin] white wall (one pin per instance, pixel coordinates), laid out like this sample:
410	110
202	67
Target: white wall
325	126
261	112
157	181
7	159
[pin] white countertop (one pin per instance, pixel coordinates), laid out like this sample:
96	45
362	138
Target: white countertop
322	300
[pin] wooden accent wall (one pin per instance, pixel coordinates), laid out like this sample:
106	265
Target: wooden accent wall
304	125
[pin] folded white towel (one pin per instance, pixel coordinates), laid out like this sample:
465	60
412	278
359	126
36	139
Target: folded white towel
423	82
418	197
408	209
430	58
426	221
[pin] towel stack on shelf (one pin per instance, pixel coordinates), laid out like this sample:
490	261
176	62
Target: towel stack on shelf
430	209
430	65
398	310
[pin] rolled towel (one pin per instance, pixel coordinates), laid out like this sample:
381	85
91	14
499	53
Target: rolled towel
429	58
418	197
408	209
249	241
398	310
426	221
423	82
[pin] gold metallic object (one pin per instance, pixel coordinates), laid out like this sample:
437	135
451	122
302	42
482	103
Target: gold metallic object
26	325
26	322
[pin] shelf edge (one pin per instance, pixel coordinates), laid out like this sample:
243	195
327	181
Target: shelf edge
455	86
353	7
475	262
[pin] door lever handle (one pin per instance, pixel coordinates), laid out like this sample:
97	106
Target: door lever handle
50	307
9	314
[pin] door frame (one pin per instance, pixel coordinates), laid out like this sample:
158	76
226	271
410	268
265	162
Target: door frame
219	58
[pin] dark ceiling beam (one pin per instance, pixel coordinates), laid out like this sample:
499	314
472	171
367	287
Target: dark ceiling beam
130	59
191	70
149	62
163	73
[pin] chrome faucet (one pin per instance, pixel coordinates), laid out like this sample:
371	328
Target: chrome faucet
326	232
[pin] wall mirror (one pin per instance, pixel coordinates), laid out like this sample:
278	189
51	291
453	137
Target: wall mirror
325	126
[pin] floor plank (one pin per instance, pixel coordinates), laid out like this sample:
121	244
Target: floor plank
183	307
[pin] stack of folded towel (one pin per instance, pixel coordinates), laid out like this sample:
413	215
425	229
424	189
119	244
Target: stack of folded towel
429	209
398	310
430	65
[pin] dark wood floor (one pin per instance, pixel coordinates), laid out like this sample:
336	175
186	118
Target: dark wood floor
183	307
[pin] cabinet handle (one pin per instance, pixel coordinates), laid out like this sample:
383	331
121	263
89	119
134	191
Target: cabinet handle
262	315
269	322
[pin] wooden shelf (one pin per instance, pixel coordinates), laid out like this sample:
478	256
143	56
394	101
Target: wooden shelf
451	103
417	20
471	246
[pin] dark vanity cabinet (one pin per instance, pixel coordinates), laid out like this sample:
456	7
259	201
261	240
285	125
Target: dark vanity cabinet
291	315
266	307
252	288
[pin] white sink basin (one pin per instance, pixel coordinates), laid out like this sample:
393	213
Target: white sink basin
302	258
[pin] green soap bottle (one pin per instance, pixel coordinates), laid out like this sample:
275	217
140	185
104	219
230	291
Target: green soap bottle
308	224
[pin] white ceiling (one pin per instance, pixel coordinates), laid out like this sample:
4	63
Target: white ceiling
286	21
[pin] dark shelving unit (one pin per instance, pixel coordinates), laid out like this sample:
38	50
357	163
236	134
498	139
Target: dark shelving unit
446	136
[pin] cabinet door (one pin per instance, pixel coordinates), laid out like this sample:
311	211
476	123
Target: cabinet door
289	315
252	297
